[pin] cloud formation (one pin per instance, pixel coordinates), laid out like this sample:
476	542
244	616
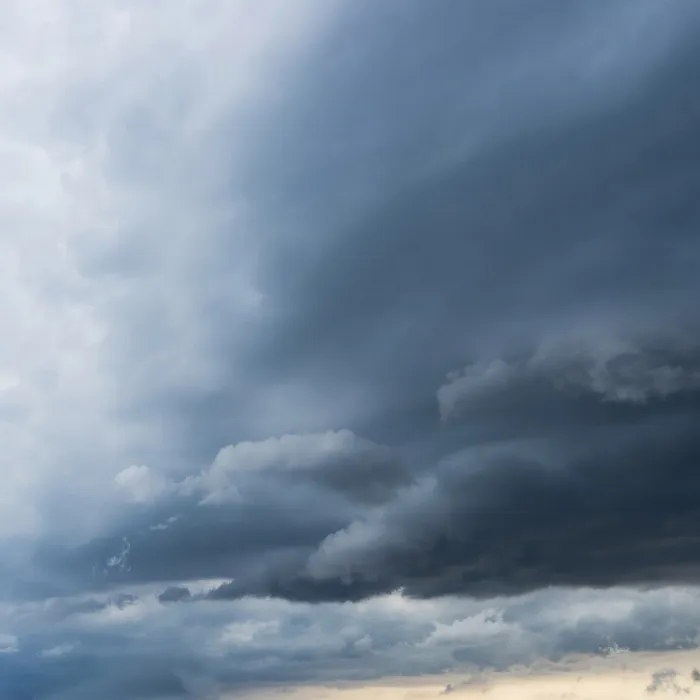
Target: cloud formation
600	494
111	644
316	314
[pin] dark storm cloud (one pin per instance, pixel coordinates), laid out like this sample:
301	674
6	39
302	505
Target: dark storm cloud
418	195
258	507
603	493
568	222
550	215
502	191
581	227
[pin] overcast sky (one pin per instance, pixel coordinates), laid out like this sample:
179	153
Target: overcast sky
350	348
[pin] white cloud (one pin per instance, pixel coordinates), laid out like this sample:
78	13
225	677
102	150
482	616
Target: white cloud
221	481
360	546
109	153
486	626
141	484
9	644
58	651
120	561
247	633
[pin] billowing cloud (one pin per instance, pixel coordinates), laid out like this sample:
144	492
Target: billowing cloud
336	461
304	305
573	487
610	370
601	493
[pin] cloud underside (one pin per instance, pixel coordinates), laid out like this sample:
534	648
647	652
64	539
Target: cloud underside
582	471
482	378
486	382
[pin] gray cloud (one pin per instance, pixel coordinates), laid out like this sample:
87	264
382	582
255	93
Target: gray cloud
240	514
666	680
241	291
174	594
506	521
203	646
600	493
609	369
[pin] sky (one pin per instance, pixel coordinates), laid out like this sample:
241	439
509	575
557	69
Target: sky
350	349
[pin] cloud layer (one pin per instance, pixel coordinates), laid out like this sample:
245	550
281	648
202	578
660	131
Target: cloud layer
78	646
315	314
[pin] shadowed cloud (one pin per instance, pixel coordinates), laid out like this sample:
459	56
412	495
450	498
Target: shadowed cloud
344	340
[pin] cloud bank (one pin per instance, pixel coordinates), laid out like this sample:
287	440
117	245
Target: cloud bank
345	340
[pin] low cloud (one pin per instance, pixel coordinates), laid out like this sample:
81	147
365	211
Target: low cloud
666	681
208	644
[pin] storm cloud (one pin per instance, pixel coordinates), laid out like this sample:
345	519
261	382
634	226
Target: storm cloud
345	340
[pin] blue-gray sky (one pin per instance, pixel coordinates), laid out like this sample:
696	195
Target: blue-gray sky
345	340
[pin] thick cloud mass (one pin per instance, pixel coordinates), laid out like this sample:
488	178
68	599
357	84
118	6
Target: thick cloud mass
314	314
603	492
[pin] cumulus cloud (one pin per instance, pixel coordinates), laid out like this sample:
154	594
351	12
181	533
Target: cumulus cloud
141	484
335	460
